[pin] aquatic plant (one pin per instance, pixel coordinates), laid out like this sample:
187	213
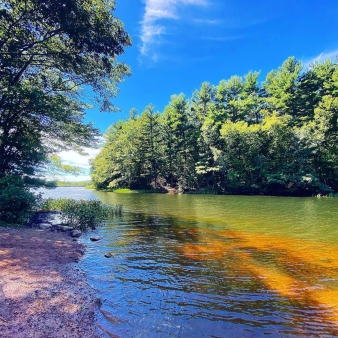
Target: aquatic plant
81	214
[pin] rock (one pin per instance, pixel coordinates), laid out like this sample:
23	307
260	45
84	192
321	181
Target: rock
76	233
95	239
57	226
57	221
108	255
64	228
45	226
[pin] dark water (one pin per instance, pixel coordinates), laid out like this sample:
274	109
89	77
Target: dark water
215	266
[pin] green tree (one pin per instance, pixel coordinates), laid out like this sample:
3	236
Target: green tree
148	144
179	143
48	50
206	118
229	98
323	136
242	156
282	88
252	98
120	163
201	101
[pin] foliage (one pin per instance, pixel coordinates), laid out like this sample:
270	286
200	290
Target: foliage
124	191
81	214
48	51
333	195
17	202
54	166
278	137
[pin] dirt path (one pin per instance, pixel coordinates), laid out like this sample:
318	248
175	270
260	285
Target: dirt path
42	292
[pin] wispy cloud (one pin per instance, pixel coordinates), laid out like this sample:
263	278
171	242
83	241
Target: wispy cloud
73	158
152	26
323	56
207	21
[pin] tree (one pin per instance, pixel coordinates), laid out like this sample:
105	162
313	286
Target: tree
282	88
323	133
228	98
148	144
179	143
201	101
48	50
242	156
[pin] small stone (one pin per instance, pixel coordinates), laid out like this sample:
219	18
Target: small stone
64	228
57	220
108	255
95	239
45	226
76	233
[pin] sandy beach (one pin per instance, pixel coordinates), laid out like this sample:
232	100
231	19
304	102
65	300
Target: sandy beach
42	291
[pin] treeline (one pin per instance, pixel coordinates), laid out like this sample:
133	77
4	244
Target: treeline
276	137
73	184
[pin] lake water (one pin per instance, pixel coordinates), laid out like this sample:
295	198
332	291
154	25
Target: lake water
215	266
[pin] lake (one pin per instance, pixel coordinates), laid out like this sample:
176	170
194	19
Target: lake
215	266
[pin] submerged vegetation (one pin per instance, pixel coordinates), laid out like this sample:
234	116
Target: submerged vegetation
81	214
276	137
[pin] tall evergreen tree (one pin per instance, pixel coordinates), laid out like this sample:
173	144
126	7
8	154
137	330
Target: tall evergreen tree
149	144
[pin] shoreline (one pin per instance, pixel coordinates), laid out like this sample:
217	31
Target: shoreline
42	291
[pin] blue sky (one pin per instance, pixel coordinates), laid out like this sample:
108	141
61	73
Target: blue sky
178	44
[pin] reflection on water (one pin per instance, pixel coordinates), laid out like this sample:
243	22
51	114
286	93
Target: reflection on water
217	266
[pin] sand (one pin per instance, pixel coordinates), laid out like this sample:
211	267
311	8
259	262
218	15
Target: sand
43	293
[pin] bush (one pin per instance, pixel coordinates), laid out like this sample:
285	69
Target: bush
81	214
17	202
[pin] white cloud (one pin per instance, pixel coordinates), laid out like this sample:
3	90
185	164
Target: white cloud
71	178
73	158
152	29
207	21
333	55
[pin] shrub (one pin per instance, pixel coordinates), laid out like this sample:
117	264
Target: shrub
81	214
17	202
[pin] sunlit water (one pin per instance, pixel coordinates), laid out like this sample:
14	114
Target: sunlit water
215	266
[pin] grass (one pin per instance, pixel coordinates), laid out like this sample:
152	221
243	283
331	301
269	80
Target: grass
139	191
126	191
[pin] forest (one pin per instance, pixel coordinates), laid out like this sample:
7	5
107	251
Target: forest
242	136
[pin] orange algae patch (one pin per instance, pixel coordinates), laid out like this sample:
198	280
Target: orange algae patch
286	285
329	298
301	270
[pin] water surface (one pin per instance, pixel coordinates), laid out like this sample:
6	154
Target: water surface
215	266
